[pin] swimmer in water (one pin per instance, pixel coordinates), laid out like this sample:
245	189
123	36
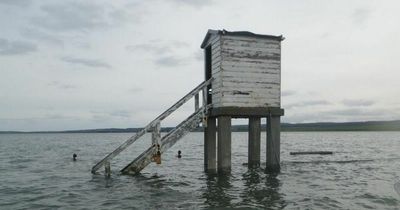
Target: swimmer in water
74	156
179	154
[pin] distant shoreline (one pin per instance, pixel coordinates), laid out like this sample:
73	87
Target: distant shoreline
286	127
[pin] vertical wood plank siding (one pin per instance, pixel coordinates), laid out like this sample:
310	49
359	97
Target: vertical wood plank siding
246	71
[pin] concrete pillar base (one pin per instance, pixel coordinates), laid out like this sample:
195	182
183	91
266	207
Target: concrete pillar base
210	146
224	144
273	143
254	142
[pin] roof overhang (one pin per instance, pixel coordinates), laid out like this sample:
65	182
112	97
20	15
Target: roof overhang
237	33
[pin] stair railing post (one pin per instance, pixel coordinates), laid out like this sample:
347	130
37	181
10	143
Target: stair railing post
156	135
205	92
205	96
107	169
196	102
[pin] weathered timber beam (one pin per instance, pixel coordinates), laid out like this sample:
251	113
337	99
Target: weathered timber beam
247	111
140	162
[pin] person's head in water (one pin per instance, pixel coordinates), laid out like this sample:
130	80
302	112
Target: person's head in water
74	156
179	154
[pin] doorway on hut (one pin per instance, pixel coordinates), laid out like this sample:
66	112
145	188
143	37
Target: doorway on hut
208	66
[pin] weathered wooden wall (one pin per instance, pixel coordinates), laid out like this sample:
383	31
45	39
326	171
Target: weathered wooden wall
246	71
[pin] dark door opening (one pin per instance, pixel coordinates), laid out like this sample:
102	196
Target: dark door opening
208	73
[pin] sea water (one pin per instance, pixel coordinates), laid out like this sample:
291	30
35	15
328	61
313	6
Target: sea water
37	172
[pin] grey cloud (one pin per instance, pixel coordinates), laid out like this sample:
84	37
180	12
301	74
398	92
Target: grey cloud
86	62
288	92
164	51
359	102
199	56
107	116
361	113
42	36
99	118
169	61
19	3
194	3
301	117
16	47
152	48
157	46
317	102
346	112
336	115
57	116
308	103
120	113
121	16
325	35
178	44
72	16
360	16
135	90
61	85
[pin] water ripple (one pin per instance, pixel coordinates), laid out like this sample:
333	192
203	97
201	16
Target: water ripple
37	173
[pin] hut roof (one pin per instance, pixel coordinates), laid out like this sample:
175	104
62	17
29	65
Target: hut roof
238	33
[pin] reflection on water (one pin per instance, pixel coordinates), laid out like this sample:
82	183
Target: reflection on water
216	193
397	187
274	198
260	190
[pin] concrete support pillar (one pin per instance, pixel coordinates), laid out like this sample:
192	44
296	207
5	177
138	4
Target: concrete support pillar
254	142
273	143
224	144
210	145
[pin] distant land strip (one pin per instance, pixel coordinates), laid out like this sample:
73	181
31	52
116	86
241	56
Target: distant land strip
286	127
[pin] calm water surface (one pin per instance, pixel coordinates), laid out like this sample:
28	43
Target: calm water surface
37	172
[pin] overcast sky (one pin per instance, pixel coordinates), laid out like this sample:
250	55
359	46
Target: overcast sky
99	64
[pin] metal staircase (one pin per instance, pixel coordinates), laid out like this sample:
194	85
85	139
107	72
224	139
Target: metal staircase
168	140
